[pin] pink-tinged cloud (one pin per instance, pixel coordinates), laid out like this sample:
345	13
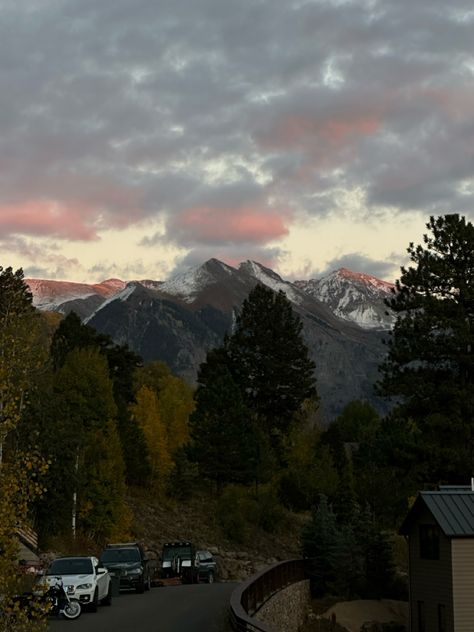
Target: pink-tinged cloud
212	225
457	103
44	217
333	131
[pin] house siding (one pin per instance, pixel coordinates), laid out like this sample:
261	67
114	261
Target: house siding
431	580
463	584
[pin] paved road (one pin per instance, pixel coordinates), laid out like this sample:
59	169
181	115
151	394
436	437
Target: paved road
189	608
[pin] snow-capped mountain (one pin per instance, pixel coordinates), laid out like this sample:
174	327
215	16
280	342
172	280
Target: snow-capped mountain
50	295
177	321
353	296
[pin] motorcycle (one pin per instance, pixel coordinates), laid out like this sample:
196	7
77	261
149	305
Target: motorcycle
60	603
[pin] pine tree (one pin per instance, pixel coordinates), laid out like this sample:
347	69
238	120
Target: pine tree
429	369
269	361
223	437
320	539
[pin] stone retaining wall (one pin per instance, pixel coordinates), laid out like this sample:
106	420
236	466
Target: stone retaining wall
287	610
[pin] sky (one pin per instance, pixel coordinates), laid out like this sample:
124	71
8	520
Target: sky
139	138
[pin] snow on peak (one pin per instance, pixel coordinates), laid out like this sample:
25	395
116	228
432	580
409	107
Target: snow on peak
271	279
353	296
188	284
361	277
122	295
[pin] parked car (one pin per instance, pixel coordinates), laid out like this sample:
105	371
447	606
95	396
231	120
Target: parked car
205	567
136	568
83	578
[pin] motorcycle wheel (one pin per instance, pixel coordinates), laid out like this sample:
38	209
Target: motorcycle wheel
72	610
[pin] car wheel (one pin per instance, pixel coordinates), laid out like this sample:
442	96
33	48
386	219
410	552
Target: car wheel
107	600
95	602
140	587
210	578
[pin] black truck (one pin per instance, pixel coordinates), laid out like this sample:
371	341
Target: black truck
181	560
135	568
177	560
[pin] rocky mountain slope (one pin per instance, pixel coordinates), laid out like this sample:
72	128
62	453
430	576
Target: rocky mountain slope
353	296
179	320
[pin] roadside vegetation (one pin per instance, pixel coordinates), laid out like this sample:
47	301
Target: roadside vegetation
90	437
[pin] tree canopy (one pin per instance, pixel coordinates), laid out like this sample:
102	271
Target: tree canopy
269	359
252	389
429	370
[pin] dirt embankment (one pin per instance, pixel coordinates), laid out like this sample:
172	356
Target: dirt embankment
157	521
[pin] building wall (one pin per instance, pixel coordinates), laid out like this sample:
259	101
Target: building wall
463	584
286	611
430	580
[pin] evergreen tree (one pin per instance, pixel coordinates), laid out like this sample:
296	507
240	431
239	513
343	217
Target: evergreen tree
223	436
429	369
309	472
358	422
269	361
320	538
376	556
344	498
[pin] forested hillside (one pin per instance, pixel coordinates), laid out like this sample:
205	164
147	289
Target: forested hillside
95	445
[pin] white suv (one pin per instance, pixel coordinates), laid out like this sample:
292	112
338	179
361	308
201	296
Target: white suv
83	580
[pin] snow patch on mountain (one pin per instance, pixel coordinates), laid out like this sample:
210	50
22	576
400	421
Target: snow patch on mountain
186	286
122	295
271	279
48	295
353	296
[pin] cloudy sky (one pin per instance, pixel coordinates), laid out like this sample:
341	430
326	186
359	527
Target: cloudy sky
142	137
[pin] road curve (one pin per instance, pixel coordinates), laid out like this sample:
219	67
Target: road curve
188	608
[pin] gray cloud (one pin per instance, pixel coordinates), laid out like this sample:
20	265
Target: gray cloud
387	269
119	112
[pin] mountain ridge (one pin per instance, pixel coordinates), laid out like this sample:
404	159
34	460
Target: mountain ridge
180	320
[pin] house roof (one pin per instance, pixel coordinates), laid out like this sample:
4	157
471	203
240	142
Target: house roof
453	510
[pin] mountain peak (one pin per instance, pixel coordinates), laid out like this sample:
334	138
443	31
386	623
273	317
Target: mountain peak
353	296
187	285
362	277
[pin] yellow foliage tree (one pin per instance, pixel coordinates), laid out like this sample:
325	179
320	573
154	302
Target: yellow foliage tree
175	398
147	413
85	391
176	404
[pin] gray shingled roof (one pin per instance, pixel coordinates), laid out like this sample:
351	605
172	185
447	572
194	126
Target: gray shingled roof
452	509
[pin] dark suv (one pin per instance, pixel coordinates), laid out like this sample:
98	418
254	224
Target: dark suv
205	567
131	564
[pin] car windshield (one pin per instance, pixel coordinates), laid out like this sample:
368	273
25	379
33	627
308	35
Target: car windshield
176	551
120	555
79	566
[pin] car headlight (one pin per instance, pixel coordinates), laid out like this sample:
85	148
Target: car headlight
84	587
135	571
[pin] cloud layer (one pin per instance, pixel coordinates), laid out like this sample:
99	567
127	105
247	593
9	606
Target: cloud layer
225	124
